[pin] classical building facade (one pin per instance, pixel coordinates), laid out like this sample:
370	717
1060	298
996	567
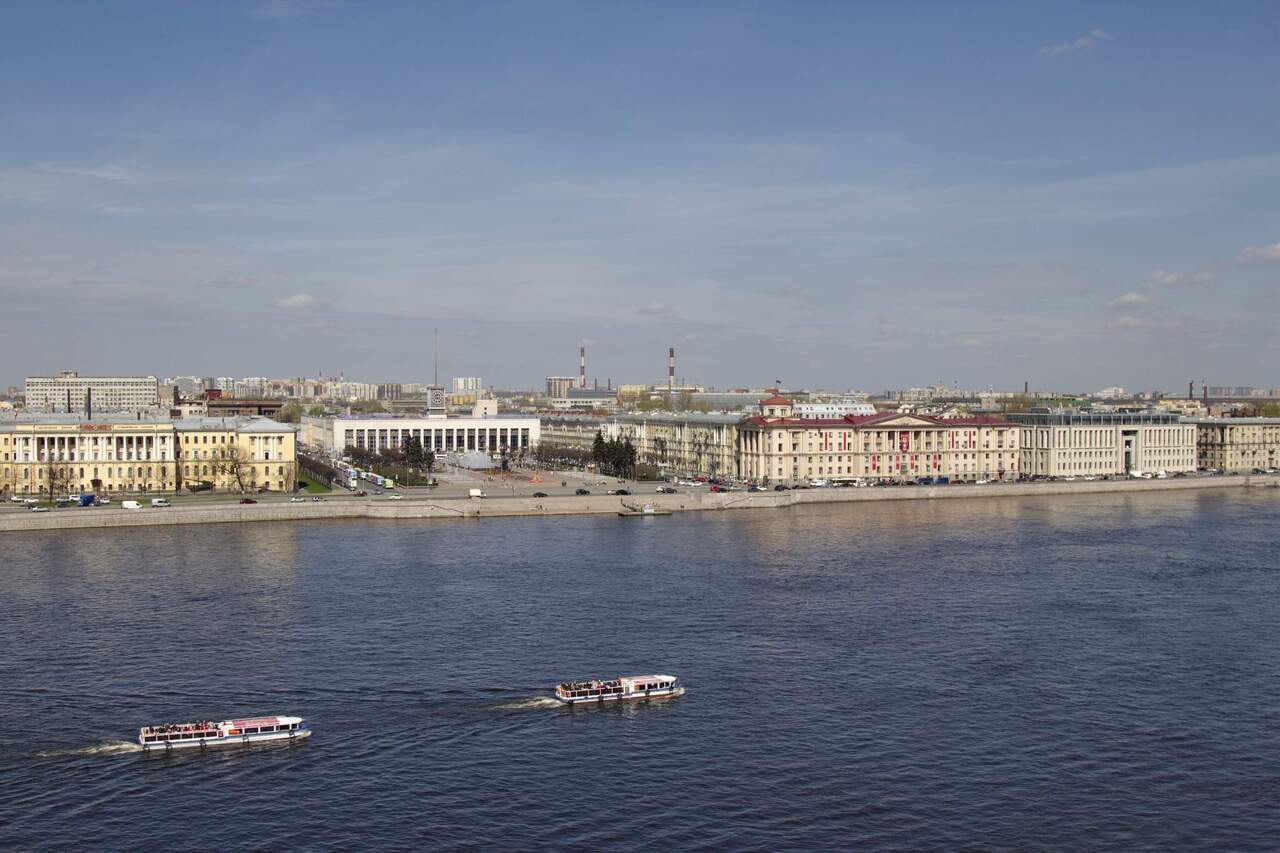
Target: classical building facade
777	447
438	434
1237	444
1069	444
121	455
69	392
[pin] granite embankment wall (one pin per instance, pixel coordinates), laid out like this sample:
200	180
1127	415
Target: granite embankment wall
492	507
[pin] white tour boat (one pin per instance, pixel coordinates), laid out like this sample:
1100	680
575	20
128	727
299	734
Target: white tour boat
623	687
226	733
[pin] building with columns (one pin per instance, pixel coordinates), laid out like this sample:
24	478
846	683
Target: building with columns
493	435
144	455
1083	444
778	447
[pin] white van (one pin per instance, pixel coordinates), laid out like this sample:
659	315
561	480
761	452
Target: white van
130	504
160	502
476	493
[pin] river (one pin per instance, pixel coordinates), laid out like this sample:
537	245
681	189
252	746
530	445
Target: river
1070	672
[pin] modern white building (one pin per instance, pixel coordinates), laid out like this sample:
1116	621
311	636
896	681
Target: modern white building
69	392
467	383
1066	444
493	435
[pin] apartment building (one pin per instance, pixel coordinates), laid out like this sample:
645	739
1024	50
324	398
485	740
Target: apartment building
683	444
1237	444
69	392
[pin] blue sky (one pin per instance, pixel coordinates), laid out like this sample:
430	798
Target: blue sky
839	195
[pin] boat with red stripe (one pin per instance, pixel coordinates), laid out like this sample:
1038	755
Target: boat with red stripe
620	688
207	733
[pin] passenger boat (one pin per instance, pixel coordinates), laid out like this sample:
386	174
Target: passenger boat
623	687
226	733
647	509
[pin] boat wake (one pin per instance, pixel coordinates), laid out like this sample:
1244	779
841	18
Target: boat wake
110	747
533	703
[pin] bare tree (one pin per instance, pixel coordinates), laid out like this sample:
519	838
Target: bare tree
57	476
234	464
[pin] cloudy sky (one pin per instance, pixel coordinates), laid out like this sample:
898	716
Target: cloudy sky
840	195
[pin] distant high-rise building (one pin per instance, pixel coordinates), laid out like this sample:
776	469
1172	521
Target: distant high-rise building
69	392
467	383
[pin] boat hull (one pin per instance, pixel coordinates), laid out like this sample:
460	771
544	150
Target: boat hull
623	697
219	742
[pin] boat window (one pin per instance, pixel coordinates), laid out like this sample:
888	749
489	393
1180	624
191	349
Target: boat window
251	731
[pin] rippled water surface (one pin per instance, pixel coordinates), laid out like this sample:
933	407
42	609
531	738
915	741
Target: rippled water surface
1068	673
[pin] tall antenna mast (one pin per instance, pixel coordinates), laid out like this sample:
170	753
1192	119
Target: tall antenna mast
435	371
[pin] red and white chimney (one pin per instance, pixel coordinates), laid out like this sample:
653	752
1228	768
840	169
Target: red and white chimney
582	367
671	368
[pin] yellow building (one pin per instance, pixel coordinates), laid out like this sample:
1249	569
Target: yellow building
237	454
67	454
779	448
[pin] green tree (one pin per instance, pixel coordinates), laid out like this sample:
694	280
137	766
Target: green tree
290	413
600	450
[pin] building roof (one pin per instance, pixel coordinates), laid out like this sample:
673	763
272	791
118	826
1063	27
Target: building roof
880	418
775	400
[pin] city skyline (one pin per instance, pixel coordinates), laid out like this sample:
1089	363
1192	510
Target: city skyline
1073	196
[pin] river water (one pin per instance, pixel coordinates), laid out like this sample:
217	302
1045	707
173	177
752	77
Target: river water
1044	673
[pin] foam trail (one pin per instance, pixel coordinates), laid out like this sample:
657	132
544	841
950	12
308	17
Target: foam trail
110	747
531	704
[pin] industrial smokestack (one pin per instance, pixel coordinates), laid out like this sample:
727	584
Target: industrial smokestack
582	367
88	404
68	401
1204	391
1026	388
671	368
1191	390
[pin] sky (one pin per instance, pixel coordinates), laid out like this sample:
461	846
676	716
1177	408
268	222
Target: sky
839	195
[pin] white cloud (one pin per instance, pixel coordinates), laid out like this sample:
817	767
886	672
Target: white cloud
1084	42
297	300
1164	278
1131	298
1267	253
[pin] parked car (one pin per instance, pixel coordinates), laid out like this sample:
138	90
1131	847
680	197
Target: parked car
361	493
297	500
39	509
316	499
582	492
539	494
780	488
248	501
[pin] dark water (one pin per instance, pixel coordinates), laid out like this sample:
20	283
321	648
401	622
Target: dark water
1048	674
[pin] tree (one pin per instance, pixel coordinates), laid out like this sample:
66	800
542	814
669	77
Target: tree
599	450
290	413
414	455
234	464
57	477
316	411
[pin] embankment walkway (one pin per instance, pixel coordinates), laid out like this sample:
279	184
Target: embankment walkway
68	519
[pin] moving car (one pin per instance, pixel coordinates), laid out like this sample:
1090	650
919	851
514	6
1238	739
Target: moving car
539	494
582	492
242	500
297	500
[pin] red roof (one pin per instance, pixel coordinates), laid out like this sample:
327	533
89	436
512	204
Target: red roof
881	417
775	400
